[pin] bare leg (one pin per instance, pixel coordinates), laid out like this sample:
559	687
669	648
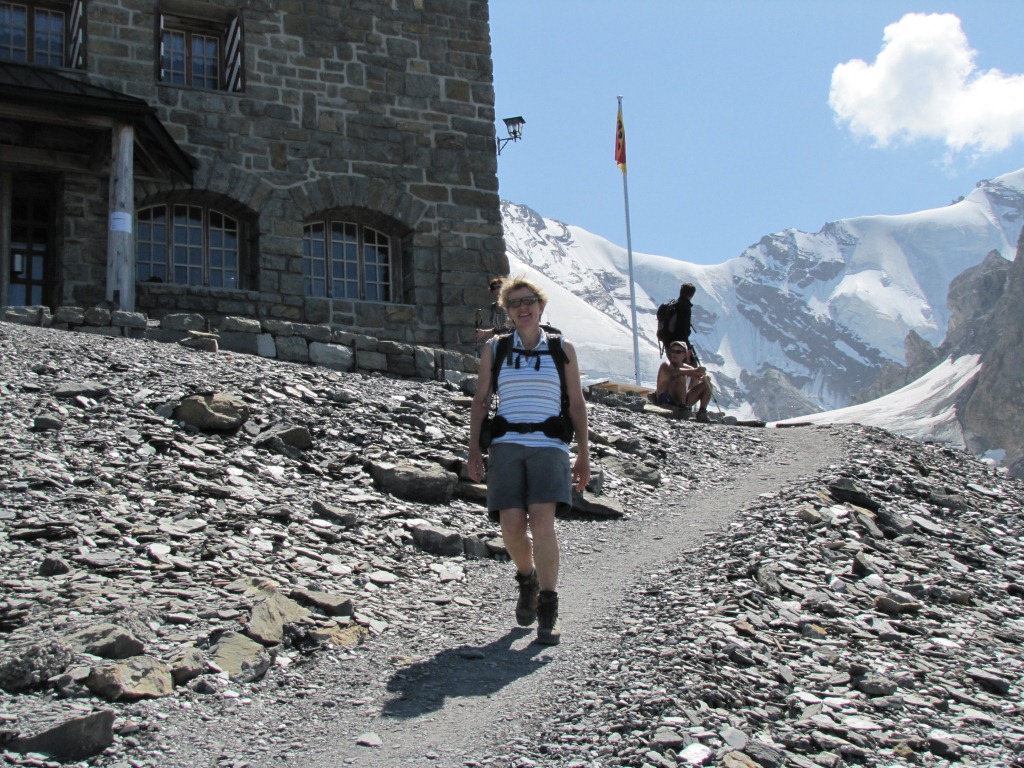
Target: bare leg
545	545
677	391
705	398
701	392
517	542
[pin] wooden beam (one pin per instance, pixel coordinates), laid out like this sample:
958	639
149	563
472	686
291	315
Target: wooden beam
94	163
45	159
146	162
48	116
121	229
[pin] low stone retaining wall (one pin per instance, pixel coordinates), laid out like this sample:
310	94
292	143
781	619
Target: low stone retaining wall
294	342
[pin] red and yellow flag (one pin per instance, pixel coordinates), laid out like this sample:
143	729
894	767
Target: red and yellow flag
620	142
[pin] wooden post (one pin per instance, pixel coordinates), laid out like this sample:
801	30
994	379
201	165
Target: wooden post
121	227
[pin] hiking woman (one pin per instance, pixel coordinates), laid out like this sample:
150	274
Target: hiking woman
528	475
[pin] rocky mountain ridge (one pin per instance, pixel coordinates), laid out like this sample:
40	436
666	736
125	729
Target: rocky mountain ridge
986	322
993	413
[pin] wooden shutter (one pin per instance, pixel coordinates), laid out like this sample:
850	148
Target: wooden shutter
234	56
76	35
161	74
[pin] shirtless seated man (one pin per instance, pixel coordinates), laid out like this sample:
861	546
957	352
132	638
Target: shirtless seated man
682	384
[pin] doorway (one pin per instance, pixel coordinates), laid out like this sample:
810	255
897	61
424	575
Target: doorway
32	252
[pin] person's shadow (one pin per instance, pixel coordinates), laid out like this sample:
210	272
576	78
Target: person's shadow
465	671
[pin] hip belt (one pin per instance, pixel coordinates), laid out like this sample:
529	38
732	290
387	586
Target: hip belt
558	427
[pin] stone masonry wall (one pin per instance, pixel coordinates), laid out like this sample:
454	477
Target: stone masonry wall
381	108
293	342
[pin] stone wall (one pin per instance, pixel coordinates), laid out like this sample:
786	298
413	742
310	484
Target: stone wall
384	109
321	345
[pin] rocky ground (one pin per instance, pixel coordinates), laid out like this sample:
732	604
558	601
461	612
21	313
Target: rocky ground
306	576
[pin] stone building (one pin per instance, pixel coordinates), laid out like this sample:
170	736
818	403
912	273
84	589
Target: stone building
318	161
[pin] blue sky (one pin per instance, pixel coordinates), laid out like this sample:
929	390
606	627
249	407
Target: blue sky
738	122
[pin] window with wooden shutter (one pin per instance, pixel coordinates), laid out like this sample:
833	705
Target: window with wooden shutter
48	33
201	53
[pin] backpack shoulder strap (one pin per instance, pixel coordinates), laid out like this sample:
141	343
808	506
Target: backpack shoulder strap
502	354
558	354
556	349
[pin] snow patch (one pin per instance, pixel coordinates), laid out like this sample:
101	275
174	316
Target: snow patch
923	410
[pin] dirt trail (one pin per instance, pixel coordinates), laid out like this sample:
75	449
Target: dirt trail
475	693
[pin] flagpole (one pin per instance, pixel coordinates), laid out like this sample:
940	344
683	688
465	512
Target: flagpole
629	250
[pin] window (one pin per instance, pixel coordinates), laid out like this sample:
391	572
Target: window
188	245
201	54
346	260
47	34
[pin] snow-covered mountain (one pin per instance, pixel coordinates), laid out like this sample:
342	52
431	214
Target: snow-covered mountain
969	392
815	314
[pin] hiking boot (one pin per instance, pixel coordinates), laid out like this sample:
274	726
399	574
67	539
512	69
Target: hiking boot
549	631
526	607
702	416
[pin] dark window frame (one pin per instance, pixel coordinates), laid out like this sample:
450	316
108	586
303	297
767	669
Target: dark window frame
344	258
189	244
69	36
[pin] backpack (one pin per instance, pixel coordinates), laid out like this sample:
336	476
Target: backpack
668	314
557	426
674	321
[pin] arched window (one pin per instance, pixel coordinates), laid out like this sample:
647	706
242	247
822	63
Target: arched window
189	245
347	260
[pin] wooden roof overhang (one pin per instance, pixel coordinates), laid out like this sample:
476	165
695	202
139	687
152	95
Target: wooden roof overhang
57	122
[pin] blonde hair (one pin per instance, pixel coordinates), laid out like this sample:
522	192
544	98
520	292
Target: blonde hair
515	284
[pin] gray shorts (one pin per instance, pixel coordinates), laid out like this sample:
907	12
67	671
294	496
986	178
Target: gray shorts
518	476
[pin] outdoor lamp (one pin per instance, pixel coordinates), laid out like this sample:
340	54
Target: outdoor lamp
514	125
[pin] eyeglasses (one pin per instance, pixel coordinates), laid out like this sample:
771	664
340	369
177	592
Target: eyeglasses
528	301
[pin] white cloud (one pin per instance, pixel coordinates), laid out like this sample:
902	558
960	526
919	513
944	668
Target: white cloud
924	84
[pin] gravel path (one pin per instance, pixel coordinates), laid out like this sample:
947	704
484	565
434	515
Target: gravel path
440	692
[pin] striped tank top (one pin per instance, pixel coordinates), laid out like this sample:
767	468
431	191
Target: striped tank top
526	394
